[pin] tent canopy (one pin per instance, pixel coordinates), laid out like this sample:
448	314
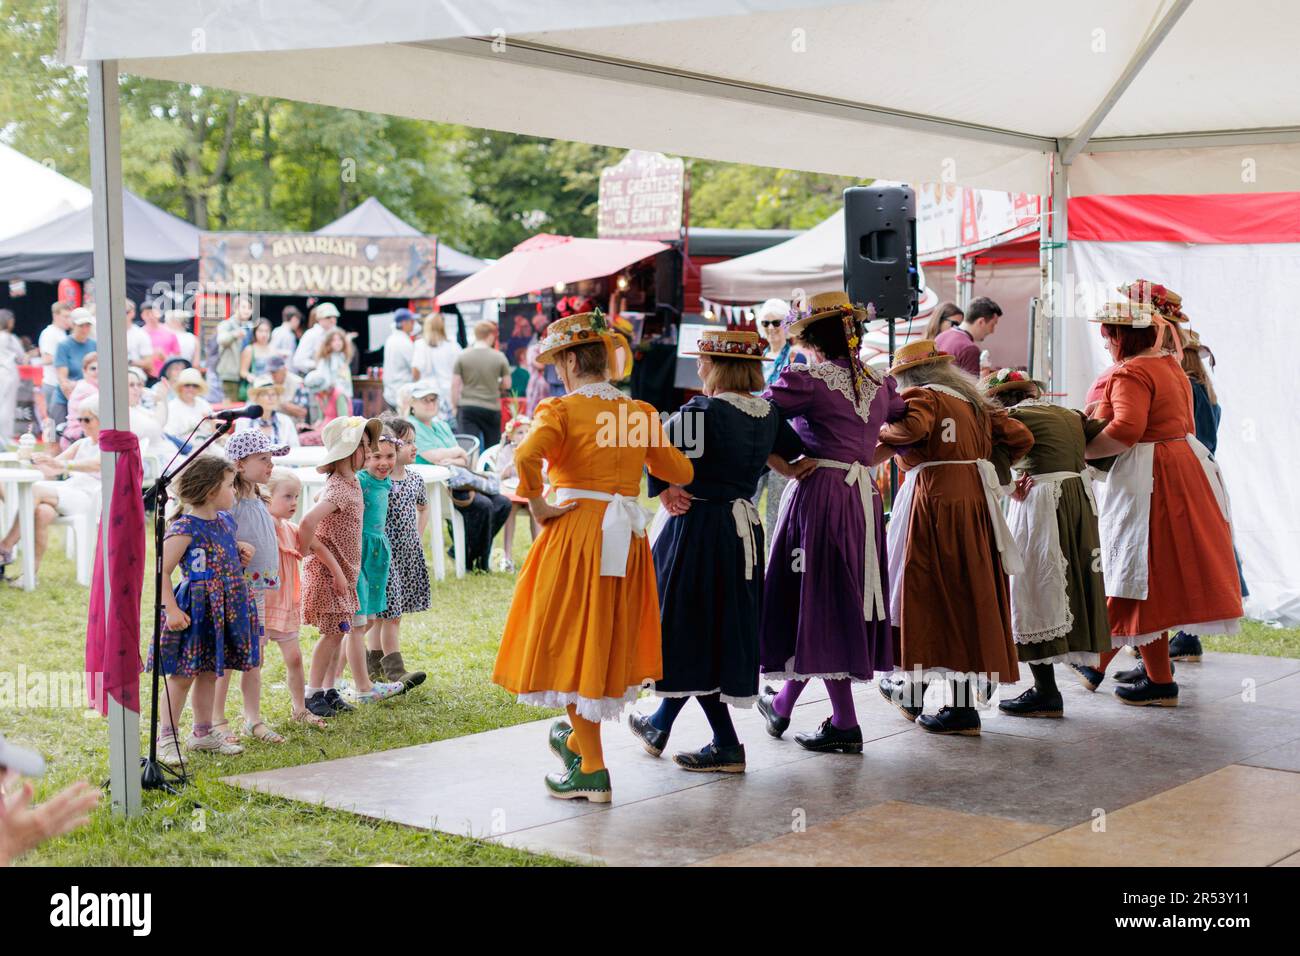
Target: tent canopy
544	260
32	193
158	246
812	261
1139	96
373	218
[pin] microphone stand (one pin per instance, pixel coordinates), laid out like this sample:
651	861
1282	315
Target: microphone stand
153	773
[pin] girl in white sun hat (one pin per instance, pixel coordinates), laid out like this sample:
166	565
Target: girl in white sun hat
330	538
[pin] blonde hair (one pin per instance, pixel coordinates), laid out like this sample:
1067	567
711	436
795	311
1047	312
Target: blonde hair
198	481
943	373
280	475
324	351
485	329
1195	370
733	374
434	329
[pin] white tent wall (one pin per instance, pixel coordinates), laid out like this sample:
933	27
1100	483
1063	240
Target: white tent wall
1009	285
1237	298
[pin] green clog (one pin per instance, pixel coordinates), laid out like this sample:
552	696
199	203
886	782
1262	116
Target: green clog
573	784
559	741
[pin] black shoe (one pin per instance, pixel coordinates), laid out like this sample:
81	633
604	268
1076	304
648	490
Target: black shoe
652	738
712	758
1033	703
898	691
952	720
1136	674
1185	647
776	724
1146	694
336	701
830	739
318	705
1089	677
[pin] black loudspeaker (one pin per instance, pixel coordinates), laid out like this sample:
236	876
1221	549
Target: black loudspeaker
880	249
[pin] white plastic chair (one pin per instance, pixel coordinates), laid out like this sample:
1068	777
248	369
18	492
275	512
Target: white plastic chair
79	541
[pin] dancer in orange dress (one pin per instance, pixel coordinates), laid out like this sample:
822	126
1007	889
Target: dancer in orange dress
583	628
1166	541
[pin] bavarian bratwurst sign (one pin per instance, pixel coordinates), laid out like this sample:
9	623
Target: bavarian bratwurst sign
272	263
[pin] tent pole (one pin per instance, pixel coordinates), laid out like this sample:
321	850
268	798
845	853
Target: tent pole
1055	295
110	333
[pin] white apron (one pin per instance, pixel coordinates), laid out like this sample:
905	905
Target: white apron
1040	602
623	519
1012	562
1124	514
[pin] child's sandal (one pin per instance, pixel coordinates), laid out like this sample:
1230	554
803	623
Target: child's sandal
310	719
227	735
262	731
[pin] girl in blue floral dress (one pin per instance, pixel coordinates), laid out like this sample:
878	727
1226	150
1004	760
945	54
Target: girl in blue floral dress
210	620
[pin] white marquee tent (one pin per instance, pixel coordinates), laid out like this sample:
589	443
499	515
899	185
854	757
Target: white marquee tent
1111	96
32	194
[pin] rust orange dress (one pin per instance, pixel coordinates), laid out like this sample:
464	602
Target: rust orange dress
572	635
954	605
1192	574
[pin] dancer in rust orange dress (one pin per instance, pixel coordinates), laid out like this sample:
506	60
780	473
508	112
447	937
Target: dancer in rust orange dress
950	550
583	628
1166	541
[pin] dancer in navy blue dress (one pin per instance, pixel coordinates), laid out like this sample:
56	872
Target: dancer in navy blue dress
708	550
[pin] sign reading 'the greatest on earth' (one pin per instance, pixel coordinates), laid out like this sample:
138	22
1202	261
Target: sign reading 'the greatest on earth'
270	263
641	197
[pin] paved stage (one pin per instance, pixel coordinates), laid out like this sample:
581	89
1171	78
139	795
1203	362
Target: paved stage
1213	782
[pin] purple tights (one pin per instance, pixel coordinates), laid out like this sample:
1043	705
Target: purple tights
843	714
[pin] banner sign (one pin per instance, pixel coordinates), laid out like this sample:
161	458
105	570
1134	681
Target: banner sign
949	216
270	263
641	197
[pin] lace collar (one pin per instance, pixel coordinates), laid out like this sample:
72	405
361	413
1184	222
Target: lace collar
948	391
839	378
1036	403
749	404
599	390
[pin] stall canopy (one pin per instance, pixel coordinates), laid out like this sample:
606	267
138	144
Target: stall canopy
373	218
812	261
544	260
1138	96
159	246
32	193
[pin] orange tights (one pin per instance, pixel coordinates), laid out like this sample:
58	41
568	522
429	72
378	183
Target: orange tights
1155	657
585	741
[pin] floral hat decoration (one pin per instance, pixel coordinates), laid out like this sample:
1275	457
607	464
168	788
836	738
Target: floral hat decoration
1007	379
1164	300
585	328
1141	315
836	305
731	343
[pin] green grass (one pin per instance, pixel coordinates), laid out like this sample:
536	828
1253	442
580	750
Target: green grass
212	824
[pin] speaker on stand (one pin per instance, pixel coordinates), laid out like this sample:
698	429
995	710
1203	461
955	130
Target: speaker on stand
880	265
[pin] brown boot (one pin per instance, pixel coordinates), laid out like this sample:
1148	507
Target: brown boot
374	668
395	670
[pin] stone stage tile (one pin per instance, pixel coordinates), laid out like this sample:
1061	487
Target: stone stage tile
1285	757
1237	816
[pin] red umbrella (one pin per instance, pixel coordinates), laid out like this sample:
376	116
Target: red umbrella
544	260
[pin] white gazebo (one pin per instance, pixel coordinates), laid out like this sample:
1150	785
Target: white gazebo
1109	96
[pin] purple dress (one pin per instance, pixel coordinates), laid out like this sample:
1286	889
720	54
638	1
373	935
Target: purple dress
813	623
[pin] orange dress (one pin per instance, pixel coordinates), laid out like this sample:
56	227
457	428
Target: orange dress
573	636
1192	574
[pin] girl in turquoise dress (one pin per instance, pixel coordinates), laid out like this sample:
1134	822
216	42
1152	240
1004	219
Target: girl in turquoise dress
376	552
210	620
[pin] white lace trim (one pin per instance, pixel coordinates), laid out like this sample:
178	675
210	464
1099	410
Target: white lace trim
1036	403
1228	626
749	404
1086	658
947	391
599	390
593	709
840	379
1042	637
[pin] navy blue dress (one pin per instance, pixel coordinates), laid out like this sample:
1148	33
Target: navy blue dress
709	609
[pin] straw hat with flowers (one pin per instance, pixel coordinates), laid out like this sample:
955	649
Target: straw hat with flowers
824	305
584	328
729	343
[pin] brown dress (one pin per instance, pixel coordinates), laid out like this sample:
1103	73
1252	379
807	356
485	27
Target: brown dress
955	610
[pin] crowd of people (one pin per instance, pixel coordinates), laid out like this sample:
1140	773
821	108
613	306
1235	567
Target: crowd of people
1023	532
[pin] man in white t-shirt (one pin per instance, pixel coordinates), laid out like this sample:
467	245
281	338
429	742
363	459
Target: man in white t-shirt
398	352
56	406
327	320
139	347
180	321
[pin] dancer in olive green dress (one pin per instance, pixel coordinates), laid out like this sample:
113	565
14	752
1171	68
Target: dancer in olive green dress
1058	605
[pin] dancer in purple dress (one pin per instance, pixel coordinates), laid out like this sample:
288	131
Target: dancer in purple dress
825	598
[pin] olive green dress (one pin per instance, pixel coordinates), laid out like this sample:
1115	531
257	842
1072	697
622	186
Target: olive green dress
1082	634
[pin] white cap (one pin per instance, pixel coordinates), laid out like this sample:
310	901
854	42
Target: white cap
81	316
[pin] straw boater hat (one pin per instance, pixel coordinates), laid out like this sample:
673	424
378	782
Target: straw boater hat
584	328
823	305
917	353
1165	301
1007	379
264	383
1140	315
727	343
341	437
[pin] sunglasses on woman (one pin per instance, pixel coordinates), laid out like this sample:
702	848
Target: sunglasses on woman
770	324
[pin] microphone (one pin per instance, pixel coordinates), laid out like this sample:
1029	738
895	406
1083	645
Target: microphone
230	414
